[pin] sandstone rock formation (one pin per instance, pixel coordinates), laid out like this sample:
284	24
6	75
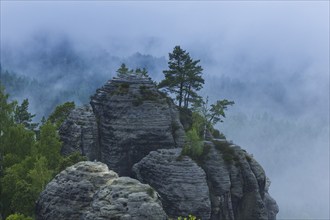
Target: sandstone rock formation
88	190
180	182
79	133
135	130
128	119
229	184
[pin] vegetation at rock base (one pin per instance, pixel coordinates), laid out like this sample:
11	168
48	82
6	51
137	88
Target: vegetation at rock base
29	156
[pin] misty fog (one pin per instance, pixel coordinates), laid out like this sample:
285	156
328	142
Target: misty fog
271	58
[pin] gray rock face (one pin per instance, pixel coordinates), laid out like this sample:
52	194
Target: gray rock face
79	133
135	130
134	118
229	184
180	182
270	203
88	190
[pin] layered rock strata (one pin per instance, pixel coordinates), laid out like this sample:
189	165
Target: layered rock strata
79	133
128	119
235	183
180	182
89	190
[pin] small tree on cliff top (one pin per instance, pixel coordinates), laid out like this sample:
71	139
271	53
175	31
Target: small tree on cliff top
184	77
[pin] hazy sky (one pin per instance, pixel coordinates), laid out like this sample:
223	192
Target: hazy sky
276	28
258	41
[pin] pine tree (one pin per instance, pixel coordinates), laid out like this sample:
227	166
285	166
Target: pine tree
184	77
22	116
61	113
123	70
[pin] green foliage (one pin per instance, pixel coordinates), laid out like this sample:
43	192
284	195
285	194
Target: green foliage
184	77
146	94
124	71
217	134
16	143
248	158
6	110
120	89
61	112
40	175
17	195
27	163
207	116
194	145
123	88
228	153
218	109
17	216
151	192
143	72
70	160
49	145
22	116
190	217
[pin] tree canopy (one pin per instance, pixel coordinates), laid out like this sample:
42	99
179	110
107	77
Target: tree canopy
27	162
183	78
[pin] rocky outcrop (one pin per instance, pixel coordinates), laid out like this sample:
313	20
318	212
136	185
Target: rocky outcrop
227	184
136	131
88	190
79	133
128	119
237	182
180	182
134	118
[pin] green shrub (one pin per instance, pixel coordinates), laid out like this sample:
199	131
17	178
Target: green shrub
248	158
148	94
194	145
228	153
17	216
217	134
120	89
190	217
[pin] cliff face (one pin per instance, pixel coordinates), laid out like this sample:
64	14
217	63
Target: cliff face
128	119
88	191
180	182
79	132
135	130
226	184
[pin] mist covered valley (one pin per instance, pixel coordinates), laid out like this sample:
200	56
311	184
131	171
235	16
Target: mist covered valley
281	111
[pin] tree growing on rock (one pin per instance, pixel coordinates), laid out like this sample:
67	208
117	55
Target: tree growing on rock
211	114
124	71
183	78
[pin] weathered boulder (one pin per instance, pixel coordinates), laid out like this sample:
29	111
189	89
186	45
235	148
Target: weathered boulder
235	183
79	133
89	190
134	118
180	182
